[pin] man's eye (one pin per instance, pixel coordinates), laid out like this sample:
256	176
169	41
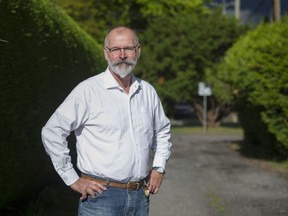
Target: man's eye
115	49
129	48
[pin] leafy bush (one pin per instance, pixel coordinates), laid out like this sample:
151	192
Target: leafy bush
43	55
255	70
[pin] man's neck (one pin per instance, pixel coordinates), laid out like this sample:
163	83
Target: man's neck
123	82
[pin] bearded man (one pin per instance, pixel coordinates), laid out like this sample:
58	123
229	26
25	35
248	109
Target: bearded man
117	119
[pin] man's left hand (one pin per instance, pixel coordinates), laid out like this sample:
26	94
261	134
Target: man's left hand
154	181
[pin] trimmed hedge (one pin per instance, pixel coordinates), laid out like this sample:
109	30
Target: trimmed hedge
256	70
43	55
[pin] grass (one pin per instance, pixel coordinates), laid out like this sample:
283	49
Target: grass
282	165
209	130
216	202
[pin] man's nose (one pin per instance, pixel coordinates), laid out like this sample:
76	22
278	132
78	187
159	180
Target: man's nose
122	54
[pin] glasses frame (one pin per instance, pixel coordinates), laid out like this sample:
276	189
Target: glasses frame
117	50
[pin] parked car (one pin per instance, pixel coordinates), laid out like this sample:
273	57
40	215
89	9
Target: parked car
183	110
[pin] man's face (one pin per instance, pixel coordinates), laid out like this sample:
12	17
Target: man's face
121	52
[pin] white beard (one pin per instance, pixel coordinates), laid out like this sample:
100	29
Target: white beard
122	68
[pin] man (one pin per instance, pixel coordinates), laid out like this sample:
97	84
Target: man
117	118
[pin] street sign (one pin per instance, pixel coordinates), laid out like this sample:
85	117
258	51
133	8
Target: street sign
204	89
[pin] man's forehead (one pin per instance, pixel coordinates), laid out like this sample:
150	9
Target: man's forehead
121	31
121	36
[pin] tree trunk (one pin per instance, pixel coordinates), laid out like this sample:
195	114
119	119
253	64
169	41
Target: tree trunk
215	111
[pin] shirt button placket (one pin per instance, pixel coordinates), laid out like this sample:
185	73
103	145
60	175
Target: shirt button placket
133	117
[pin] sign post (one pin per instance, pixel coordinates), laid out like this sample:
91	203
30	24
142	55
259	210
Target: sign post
204	90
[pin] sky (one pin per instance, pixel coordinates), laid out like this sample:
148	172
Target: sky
254	10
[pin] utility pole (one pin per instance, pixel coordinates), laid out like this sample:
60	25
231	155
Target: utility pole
276	4
224	7
237	6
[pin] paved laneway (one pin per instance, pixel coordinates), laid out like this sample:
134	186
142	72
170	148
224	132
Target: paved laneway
206	178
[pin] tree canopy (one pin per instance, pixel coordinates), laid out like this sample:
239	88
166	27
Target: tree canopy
178	50
167	7
96	17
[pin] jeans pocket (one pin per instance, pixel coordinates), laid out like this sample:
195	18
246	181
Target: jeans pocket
95	197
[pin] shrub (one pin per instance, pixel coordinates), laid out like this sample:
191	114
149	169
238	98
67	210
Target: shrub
255	70
43	55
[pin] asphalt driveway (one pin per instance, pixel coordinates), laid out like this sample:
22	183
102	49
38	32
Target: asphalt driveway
205	177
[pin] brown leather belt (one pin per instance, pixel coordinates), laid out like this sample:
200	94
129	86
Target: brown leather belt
128	186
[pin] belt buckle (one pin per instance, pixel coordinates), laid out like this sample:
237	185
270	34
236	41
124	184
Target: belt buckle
132	187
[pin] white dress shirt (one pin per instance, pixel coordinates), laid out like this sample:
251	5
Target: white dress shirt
115	130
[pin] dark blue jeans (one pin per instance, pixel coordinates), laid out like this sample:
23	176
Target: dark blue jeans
115	202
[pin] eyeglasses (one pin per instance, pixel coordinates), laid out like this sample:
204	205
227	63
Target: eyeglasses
117	50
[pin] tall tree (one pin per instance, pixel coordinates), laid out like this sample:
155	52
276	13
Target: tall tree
96	17
179	50
169	7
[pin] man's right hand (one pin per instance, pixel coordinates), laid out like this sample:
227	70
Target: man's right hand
87	187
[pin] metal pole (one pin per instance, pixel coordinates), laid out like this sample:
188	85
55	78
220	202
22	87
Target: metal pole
276	10
237	9
204	113
224	7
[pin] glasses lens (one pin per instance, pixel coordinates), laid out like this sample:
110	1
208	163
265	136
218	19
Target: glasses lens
129	49
117	50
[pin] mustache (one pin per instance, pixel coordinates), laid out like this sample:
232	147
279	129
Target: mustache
127	62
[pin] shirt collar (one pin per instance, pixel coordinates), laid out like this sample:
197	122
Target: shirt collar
110	82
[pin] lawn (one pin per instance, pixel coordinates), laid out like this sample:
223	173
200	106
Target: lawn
209	130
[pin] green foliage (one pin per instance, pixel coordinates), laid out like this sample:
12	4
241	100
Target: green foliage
255	70
43	55
178	50
167	7
96	17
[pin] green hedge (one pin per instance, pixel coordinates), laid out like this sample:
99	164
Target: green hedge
256	71
43	55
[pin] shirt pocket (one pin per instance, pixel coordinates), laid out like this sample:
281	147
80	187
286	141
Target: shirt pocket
146	120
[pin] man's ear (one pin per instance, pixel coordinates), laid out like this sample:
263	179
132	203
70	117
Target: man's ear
139	50
105	53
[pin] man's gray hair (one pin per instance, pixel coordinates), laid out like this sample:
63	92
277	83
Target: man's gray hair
120	29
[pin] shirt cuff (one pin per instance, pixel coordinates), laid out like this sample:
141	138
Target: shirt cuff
159	162
70	177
